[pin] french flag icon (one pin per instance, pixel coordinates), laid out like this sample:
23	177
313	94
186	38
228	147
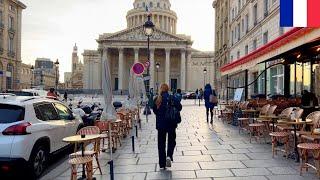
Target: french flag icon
300	13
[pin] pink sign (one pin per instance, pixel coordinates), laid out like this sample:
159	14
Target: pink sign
138	68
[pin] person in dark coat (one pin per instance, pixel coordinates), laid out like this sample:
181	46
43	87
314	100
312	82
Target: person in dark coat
165	126
65	96
209	106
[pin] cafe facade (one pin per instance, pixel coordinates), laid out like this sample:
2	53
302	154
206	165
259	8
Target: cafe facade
284	66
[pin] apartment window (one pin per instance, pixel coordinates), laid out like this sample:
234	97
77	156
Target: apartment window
232	37
12	8
281	31
242	25
247	23
11	45
158	4
151	4
1	18
246	50
232	14
231	58
254	44
266	4
255	14
238	55
239	4
239	32
265	37
144	4
11	22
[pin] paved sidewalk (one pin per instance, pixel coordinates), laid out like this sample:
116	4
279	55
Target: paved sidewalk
203	152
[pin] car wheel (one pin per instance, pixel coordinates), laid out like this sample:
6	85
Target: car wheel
38	160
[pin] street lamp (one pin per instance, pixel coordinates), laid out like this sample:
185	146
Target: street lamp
158	67
32	70
204	75
57	78
148	29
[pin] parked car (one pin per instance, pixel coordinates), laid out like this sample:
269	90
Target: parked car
31	130
189	95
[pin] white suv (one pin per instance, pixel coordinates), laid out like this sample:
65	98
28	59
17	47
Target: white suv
32	128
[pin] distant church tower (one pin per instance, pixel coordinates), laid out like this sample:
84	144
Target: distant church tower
75	59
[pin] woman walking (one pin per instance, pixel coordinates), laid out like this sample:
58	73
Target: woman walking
165	125
209	93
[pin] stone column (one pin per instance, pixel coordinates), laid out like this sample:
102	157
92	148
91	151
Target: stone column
151	70
188	60
136	55
167	70
120	69
183	70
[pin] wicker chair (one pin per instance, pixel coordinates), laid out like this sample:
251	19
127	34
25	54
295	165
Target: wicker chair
90	130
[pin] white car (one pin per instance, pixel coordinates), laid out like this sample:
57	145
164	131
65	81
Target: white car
31	129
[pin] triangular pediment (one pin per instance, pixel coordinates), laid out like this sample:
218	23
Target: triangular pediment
137	34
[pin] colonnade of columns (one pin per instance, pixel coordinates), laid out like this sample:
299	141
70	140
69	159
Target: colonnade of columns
185	56
163	22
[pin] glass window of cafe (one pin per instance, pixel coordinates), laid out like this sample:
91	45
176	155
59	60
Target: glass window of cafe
236	81
300	77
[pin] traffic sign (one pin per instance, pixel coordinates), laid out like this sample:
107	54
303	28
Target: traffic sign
138	68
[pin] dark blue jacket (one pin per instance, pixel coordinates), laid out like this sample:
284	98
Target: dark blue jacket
207	92
161	122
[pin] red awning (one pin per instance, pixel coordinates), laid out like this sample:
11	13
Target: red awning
278	42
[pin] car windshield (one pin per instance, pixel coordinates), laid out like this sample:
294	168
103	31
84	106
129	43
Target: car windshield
11	113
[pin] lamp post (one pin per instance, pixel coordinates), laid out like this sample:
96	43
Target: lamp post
32	70
158	67
57	78
148	28
204	76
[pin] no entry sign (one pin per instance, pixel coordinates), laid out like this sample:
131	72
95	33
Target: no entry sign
138	68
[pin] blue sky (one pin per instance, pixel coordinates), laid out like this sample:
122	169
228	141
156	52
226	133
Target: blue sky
51	27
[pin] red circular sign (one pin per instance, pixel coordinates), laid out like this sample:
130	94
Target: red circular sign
138	68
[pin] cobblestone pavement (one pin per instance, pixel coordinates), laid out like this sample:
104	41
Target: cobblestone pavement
203	152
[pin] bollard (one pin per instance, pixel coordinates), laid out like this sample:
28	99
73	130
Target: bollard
132	138
136	131
111	170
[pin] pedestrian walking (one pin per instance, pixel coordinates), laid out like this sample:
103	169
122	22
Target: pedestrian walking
178	95
52	93
167	110
210	99
65	96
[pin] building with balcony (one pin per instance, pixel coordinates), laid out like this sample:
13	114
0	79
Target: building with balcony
266	58
10	43
45	73
221	41
26	76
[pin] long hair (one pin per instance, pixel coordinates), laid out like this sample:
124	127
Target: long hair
163	88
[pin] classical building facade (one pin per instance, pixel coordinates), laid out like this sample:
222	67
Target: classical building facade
26	76
10	43
221	40
45	73
172	51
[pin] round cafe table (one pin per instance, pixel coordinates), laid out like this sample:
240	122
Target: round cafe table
295	123
78	139
268	119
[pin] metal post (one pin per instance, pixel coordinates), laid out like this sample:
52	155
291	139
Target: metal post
246	85
56	77
265	79
295	79
227	88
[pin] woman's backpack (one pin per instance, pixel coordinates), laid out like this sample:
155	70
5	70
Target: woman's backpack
172	114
